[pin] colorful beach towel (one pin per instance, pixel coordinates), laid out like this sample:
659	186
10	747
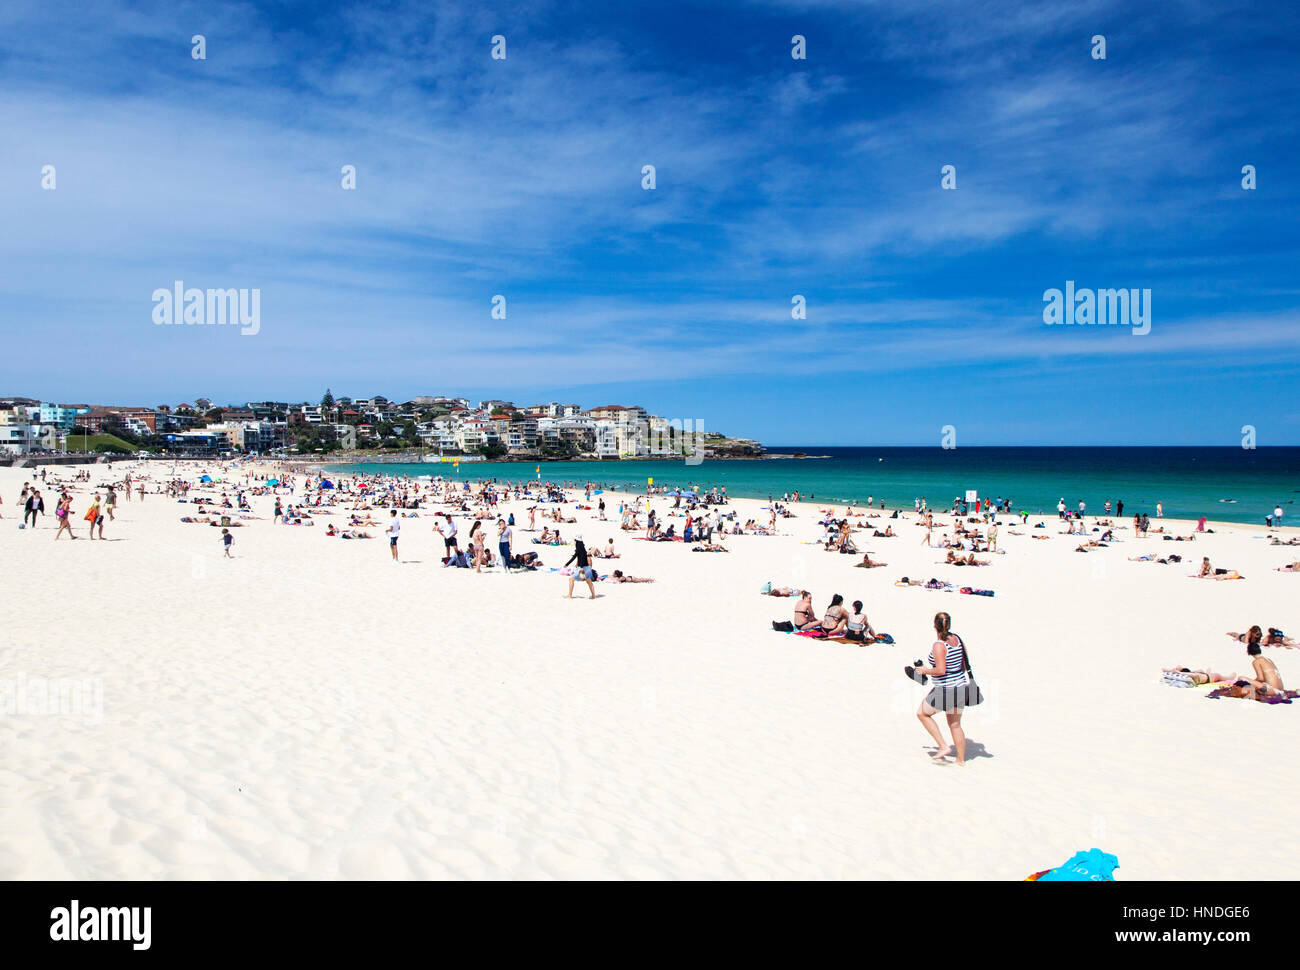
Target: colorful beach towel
1091	866
1232	690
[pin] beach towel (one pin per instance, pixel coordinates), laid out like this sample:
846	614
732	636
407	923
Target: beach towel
1091	866
1273	697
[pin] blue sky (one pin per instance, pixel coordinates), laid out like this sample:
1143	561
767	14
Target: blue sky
775	177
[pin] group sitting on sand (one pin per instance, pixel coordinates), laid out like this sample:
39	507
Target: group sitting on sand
836	623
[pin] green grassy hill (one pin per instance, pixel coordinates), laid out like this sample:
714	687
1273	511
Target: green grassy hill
92	444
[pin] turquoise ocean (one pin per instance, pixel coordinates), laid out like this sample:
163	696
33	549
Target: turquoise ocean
1229	484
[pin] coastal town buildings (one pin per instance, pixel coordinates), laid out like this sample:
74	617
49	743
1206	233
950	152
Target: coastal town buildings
427	424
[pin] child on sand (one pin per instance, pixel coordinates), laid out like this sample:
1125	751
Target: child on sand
95	517
226	540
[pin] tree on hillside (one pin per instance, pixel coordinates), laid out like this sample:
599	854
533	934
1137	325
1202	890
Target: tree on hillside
328	400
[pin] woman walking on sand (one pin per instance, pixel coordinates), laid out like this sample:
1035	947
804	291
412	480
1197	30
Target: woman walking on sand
952	689
64	515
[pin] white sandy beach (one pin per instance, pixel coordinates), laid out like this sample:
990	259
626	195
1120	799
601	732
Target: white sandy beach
311	710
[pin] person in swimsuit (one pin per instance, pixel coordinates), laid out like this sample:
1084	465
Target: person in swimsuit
64	514
803	612
1209	572
1276	638
858	629
1199	677
618	577
1268	681
836	620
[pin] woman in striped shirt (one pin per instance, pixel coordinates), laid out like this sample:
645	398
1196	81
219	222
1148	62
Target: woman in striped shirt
946	666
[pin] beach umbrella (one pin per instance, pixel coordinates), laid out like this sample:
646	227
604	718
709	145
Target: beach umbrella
274	481
206	478
326	483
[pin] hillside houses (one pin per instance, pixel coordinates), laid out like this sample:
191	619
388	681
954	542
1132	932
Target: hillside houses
426	423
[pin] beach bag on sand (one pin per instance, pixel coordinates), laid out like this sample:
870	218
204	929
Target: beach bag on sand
783	626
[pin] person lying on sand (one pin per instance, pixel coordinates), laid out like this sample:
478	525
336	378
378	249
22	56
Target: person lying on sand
1274	637
1291	567
1209	572
618	577
710	547
1199	677
868	562
887	534
909	582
